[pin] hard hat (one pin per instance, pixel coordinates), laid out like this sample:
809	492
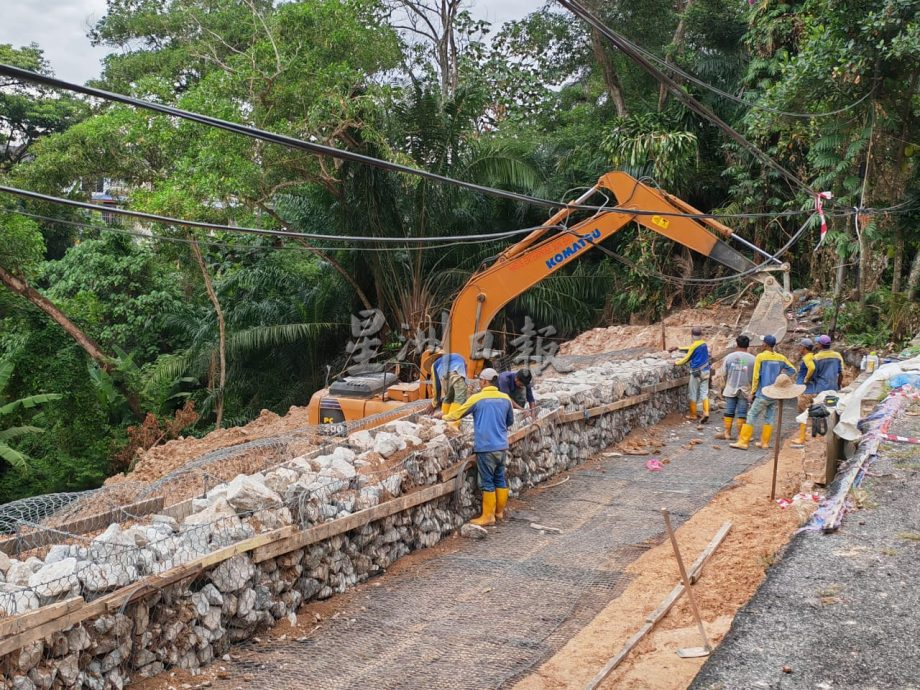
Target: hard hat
807	342
524	376
769	340
824	340
488	374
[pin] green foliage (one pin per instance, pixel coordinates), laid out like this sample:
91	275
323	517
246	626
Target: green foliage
28	112
648	145
15	410
120	291
525	107
887	319
21	244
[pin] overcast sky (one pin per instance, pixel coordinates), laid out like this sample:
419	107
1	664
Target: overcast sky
60	28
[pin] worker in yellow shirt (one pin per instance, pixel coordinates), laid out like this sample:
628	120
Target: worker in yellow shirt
767	366
806	377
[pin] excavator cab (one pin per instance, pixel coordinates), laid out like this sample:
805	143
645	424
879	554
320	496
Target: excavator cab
353	398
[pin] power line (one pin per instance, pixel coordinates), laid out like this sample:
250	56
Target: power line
631	51
261	231
224	245
704	281
737	99
284	140
343	154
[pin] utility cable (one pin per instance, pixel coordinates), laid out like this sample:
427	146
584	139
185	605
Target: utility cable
281	139
700	281
343	154
628	49
737	99
261	231
223	245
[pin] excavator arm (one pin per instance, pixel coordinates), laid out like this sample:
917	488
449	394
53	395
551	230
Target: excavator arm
541	254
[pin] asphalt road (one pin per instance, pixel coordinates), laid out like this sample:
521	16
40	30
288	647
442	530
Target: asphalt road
839	610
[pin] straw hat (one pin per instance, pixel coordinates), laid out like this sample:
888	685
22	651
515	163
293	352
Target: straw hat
784	388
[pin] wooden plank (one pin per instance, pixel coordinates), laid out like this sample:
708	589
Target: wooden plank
454	470
25	621
662	610
179	511
117	600
52	535
697	568
642	397
43	630
326	530
609	407
558	416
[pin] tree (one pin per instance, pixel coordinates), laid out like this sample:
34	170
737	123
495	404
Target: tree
858	60
442	24
28	112
19	254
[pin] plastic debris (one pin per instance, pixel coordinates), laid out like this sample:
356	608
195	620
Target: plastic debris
654	465
798	498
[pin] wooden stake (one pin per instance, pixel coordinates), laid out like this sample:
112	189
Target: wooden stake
686	580
655	616
779	435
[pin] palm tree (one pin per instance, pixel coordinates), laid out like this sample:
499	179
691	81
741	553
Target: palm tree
14	457
278	310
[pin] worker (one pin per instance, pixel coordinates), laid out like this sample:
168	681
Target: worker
698	389
451	389
828	367
767	366
738	371
806	377
493	415
518	386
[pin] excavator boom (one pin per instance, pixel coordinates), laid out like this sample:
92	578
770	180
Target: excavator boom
541	254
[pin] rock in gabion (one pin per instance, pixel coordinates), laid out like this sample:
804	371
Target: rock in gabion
189	624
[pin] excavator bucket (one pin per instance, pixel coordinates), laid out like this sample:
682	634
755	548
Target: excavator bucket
769	317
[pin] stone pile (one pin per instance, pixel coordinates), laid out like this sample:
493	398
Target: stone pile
308	489
188	626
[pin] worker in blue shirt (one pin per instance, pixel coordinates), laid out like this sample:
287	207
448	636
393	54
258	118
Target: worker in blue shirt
517	385
493	415
828	367
698	389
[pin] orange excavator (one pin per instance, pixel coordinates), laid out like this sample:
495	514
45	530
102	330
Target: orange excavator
540	254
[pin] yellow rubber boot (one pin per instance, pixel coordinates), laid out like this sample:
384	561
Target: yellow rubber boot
800	442
739	422
727	434
744	437
488	510
765	435
501	500
692	414
705	411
